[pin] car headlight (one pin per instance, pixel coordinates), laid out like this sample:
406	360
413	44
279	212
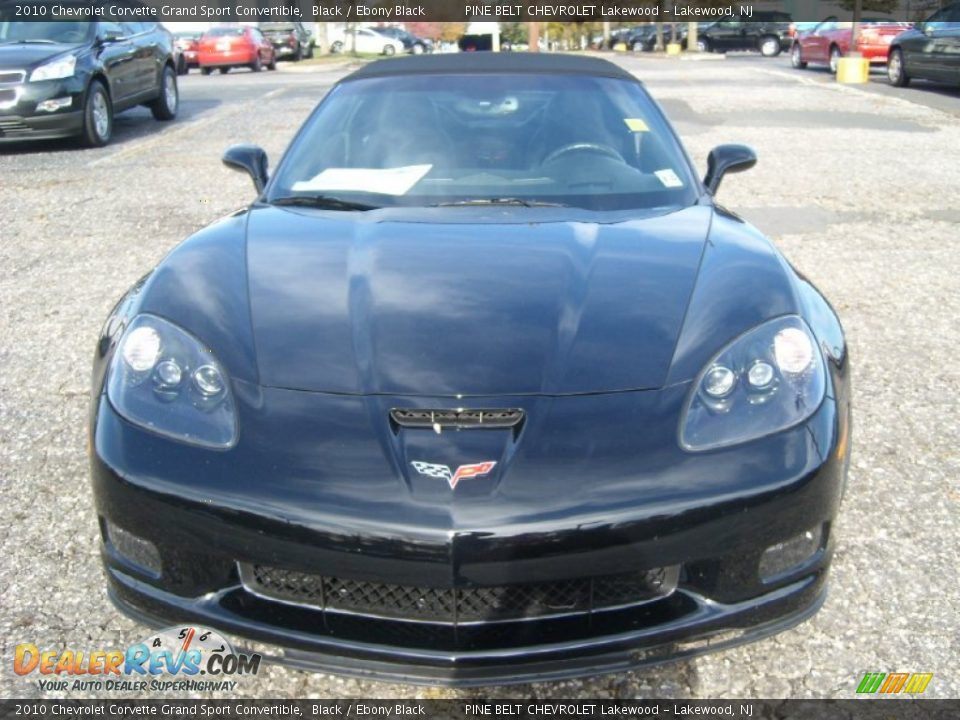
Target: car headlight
165	380
61	68
767	380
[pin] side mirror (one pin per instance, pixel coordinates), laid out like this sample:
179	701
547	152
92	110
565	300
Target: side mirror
251	159
110	36
724	159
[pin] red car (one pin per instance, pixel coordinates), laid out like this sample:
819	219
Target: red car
830	40
232	46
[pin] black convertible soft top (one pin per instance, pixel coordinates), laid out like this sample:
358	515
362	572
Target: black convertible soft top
490	62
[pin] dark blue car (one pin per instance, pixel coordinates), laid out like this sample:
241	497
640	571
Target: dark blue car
483	387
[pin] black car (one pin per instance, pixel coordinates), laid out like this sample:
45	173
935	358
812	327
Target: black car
644	38
483	387
766	31
61	79
411	43
928	51
291	40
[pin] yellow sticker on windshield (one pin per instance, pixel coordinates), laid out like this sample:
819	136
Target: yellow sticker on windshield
636	125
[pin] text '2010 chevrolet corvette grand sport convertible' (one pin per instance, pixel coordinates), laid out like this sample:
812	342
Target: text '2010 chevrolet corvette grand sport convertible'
483	387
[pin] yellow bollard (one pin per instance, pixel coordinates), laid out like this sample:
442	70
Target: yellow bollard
673	48
853	70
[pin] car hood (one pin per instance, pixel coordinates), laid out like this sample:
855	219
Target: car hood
468	302
25	56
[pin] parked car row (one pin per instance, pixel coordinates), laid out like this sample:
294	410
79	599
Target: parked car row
767	32
230	46
381	41
929	50
830	40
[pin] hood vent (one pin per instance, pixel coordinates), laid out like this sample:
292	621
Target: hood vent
438	420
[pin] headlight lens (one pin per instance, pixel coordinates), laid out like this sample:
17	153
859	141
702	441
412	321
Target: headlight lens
165	380
765	381
61	68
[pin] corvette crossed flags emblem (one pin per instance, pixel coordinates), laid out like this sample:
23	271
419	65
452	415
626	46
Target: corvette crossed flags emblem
443	472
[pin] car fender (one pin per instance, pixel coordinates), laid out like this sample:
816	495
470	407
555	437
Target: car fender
742	282
201	286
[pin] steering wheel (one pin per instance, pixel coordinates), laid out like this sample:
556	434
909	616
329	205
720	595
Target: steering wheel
598	148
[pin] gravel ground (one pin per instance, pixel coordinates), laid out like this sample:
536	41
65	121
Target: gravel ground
858	189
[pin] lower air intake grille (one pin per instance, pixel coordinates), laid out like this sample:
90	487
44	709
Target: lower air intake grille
13	127
458	605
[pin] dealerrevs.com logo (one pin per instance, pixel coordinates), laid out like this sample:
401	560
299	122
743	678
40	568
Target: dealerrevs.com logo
894	683
185	658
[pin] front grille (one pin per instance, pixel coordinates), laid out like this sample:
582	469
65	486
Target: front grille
12	77
460	419
459	605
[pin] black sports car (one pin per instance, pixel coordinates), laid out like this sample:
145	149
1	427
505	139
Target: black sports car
483	387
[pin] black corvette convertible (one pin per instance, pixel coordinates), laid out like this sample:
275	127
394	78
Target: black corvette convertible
483	387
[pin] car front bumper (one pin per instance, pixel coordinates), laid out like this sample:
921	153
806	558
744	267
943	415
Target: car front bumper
708	626
727	509
22	117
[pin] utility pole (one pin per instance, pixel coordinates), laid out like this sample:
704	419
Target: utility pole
606	34
533	39
692	45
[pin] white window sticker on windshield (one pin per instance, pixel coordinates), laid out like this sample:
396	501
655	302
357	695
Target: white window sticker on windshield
385	181
636	125
669	178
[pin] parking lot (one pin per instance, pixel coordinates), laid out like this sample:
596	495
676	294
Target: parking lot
858	186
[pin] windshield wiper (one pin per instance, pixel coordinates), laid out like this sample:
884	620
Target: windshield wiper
500	201
325	202
32	40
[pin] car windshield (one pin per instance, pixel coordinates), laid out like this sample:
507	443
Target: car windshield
42	32
273	26
426	140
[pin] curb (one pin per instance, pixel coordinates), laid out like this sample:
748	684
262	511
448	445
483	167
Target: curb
685	56
317	67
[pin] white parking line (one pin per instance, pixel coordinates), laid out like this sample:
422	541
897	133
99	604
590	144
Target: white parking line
812	81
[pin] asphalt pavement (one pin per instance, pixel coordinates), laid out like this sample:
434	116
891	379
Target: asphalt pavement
858	186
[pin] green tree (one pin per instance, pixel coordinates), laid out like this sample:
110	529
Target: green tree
513	32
